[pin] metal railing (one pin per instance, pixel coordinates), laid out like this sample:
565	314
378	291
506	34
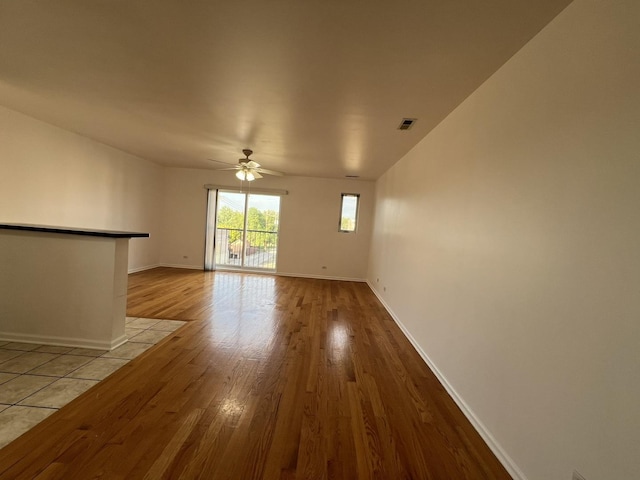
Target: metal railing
258	249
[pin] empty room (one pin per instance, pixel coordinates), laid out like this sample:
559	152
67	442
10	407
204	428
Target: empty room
320	240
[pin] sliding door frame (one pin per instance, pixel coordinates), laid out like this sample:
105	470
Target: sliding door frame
212	222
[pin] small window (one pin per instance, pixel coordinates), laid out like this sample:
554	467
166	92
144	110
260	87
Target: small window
349	212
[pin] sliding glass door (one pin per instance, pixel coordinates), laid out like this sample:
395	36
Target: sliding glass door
246	231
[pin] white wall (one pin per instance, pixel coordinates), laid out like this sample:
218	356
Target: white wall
309	237
511	253
54	177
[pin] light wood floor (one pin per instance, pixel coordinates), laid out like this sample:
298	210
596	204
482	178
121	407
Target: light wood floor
274	378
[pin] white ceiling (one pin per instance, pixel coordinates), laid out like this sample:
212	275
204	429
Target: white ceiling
314	87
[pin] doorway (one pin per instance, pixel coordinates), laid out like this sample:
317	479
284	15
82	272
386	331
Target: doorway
245	231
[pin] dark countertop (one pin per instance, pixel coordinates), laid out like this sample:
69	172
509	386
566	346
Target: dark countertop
71	231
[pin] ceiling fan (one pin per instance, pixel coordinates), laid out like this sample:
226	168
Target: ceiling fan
247	169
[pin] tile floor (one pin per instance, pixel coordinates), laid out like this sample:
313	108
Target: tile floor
37	380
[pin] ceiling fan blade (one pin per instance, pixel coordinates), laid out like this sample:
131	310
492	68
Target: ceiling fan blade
247	166
269	172
218	161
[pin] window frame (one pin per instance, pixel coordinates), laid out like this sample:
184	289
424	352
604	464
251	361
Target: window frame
355	220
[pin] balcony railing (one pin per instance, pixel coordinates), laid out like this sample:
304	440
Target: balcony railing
259	248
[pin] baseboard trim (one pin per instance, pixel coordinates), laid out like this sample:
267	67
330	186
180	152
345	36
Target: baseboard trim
257	271
321	277
502	456
157	265
142	269
119	341
176	265
63	341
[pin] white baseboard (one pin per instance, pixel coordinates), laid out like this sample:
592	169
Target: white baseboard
175	265
62	341
320	277
170	265
506	461
142	269
295	275
264	272
119	341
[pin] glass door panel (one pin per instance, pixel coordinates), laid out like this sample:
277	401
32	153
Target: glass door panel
246	230
230	221
262	231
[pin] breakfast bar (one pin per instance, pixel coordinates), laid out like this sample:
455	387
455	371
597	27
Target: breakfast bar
63	286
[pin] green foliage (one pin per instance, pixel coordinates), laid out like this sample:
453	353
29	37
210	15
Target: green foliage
261	224
347	224
229	218
261	221
270	220
233	220
255	219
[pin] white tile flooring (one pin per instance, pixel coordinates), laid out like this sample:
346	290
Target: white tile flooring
37	380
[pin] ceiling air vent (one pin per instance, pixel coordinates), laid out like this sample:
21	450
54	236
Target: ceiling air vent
407	123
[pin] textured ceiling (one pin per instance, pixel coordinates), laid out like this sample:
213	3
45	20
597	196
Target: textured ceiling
315	88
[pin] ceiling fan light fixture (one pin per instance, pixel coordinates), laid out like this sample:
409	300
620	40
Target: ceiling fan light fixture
245	174
248	170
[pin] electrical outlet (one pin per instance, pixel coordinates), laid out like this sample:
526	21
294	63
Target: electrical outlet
577	476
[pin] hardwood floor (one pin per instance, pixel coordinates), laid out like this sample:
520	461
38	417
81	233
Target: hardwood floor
273	378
